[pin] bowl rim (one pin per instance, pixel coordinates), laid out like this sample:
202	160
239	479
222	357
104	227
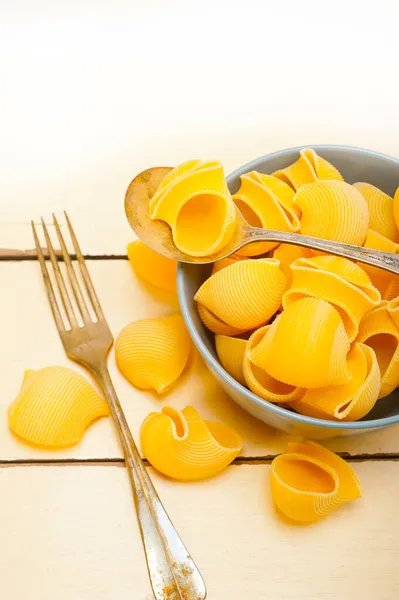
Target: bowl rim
215	364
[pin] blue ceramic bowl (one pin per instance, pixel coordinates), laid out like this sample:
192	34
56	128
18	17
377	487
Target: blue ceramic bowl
355	164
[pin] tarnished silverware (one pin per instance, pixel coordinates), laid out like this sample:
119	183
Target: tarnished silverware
172	571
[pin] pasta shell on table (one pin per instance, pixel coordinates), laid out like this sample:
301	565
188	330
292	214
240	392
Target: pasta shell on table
306	346
380	210
195	202
225	262
387	283
309	482
350	401
309	167
244	295
333	210
183	446
286	254
151	266
260	207
379	331
231	352
260	382
152	353
54	407
336	280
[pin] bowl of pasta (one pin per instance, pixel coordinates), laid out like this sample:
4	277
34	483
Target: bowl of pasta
304	341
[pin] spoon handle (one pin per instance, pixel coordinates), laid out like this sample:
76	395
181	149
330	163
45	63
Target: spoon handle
384	260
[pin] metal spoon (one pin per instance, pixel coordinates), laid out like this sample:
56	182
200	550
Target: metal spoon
158	235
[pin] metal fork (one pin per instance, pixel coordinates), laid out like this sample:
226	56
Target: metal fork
172	571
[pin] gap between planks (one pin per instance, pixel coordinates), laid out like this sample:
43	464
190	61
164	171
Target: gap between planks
119	462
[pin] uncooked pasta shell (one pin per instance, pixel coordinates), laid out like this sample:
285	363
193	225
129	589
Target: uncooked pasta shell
309	167
231	352
305	346
152	353
333	210
195	202
181	445
387	283
151	266
245	294
380	210
338	281
262	384
54	407
350	401
379	331
286	254
309	482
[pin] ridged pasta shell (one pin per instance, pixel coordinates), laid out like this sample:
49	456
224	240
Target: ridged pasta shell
336	280
309	167
396	208
244	295
333	210
225	262
262	384
379	331
380	210
305	346
214	324
279	188
231	352
286	254
181	445
152	353
54	407
151	266
350	401
195	202
387	283
310	482
260	207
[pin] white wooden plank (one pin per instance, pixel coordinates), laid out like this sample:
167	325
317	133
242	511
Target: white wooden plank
71	532
31	341
93	97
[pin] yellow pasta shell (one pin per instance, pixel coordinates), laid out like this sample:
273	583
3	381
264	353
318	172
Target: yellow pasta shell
380	210
243	295
350	401
279	188
338	281
379	331
195	202
152	353
154	268
231	352
181	445
262	384
54	407
305	346
333	210
286	254
309	167
260	207
309	482
387	283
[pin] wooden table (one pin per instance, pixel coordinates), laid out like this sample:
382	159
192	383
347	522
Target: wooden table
91	94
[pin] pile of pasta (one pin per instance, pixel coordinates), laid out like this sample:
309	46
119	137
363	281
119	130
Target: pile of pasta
313	332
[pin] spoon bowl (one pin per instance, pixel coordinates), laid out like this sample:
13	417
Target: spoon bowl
158	235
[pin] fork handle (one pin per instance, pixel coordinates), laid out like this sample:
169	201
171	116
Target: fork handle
172	571
384	260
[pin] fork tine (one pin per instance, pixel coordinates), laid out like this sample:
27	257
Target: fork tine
49	286
60	280
83	269
80	300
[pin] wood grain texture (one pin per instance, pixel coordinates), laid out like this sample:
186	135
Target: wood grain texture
71	532
33	342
